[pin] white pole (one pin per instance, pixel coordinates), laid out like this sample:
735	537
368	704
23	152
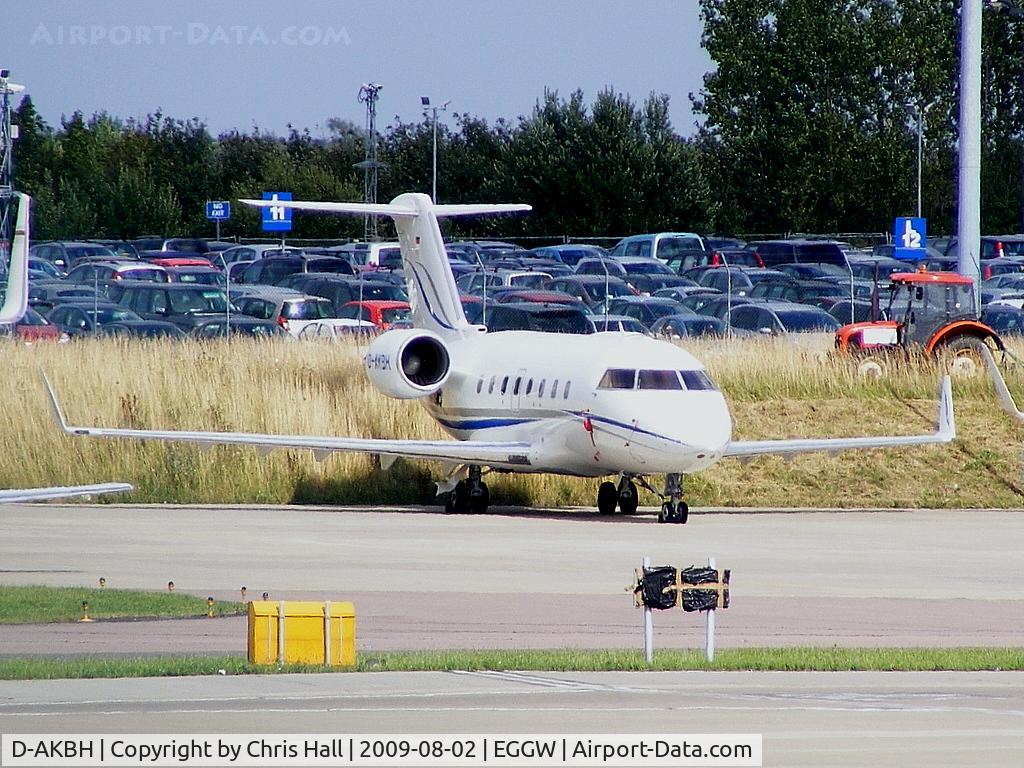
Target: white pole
969	172
648	624
709	634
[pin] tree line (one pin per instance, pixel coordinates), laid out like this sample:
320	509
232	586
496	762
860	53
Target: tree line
807	122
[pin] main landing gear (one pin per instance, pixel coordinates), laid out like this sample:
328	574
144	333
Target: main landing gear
674	509
625	496
470	495
627	499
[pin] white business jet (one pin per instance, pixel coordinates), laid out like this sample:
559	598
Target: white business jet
12	310
595	405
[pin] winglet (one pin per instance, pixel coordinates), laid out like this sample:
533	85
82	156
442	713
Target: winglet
55	406
1005	398
947	421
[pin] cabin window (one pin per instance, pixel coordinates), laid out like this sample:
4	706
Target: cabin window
479	385
504	385
540	388
554	389
697	380
515	387
529	386
658	380
617	378
565	392
490	387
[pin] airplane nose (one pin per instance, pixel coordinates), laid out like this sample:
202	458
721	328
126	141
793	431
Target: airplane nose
708	428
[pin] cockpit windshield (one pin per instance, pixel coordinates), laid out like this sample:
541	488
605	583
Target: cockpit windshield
628	378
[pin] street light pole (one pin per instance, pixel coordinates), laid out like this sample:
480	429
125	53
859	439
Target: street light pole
425	101
920	144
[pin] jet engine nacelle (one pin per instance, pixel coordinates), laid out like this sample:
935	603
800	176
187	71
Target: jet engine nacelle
407	363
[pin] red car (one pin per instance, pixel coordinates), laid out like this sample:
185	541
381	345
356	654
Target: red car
33	327
381	313
182	261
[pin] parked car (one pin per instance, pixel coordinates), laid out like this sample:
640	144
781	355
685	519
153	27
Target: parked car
739	279
102	273
570	253
774	252
82	318
387	255
143	329
289	309
778	317
182	304
684	326
1004	319
382	314
238	325
549	318
645	309
31	328
271	269
339	290
659	245
605	323
196	275
592	290
51	270
66	254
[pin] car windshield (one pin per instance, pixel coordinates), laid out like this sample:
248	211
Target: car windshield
380	291
596	290
105	315
201	278
197	300
528	281
306	309
561	322
82	251
796	321
647	268
145	275
395	315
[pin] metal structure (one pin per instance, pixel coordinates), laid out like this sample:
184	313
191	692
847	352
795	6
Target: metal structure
432	111
368	94
8	133
969	171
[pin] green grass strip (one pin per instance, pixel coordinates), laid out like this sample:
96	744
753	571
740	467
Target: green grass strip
567	660
37	604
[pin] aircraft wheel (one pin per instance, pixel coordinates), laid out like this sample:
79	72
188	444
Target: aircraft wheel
457	502
479	500
607	498
666	512
682	513
629	499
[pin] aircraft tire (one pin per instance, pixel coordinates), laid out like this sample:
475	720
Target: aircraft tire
607	498
628	504
478	502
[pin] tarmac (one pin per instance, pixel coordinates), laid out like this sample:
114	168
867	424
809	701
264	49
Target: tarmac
544	579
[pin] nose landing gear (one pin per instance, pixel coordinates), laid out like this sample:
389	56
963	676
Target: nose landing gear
674	509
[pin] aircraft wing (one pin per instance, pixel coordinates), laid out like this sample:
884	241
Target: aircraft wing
505	454
62	492
944	434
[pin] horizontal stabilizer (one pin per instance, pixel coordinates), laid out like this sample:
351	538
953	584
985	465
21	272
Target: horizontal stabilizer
392	209
355	209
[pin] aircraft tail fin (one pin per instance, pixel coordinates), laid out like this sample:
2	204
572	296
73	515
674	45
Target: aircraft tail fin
433	294
16	298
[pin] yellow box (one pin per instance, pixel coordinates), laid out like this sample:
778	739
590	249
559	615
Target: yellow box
307	633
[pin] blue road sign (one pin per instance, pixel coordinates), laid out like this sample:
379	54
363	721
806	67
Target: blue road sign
218	210
910	234
277	218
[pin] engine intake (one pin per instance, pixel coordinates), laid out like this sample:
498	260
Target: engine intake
407	363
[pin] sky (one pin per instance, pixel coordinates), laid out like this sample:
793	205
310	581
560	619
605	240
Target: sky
236	65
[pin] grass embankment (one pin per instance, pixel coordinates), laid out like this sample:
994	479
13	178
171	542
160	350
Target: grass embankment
729	660
775	389
38	604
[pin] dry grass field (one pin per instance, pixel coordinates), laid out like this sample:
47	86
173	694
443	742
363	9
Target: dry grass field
775	389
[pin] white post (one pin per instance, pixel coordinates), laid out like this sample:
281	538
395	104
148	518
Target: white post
327	633
709	634
648	624
280	633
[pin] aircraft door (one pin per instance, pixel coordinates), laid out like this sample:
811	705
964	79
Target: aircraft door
518	386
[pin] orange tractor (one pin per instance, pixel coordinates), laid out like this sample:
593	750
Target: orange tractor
932	312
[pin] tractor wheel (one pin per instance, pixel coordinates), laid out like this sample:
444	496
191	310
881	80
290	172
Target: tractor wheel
871	367
963	355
